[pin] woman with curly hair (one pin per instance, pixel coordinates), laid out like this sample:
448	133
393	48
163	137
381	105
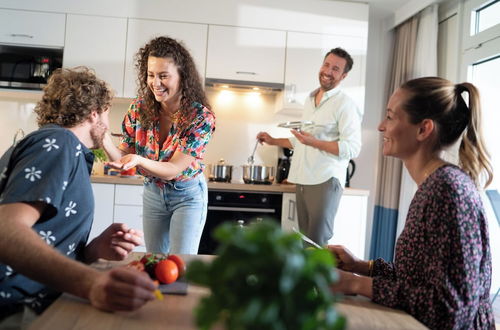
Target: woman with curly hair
165	132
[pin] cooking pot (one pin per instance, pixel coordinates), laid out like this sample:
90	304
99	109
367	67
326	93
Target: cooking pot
220	172
258	174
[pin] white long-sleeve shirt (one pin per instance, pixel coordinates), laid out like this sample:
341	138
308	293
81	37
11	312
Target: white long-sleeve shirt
340	120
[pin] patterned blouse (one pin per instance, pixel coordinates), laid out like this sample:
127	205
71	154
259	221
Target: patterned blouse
442	269
191	141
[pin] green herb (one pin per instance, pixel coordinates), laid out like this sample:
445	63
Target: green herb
263	278
99	155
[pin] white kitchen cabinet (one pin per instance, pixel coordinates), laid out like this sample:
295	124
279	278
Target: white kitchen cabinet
350	224
103	213
289	212
246	54
128	207
350	221
304	56
32	28
99	43
141	31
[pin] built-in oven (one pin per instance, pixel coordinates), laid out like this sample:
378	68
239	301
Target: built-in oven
239	208
23	67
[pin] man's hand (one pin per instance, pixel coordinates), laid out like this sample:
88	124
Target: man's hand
264	137
304	137
114	243
121	289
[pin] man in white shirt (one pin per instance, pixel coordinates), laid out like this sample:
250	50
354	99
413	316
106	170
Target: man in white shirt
322	153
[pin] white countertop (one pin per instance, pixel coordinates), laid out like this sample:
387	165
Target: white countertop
275	187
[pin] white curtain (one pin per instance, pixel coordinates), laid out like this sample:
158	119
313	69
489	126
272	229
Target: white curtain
425	64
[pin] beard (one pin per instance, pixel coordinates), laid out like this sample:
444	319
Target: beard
97	134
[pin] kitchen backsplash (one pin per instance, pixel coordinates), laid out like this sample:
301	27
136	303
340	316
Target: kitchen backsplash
240	116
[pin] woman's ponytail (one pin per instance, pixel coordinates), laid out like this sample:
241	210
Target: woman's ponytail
473	155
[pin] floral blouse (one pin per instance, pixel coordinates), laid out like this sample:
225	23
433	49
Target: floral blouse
191	141
442	269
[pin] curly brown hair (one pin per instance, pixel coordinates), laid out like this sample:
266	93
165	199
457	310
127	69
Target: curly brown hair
190	84
70	97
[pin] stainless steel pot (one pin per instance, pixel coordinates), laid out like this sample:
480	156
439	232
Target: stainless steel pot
258	174
220	172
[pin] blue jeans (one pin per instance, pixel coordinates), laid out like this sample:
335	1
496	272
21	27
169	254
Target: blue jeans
174	216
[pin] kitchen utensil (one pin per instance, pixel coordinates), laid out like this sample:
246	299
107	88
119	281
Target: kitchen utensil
258	174
298	125
251	159
220	172
306	239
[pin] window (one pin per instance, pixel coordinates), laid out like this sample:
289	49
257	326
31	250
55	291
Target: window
481	66
484	74
485	17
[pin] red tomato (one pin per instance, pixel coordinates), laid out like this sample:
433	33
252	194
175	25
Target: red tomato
136	264
166	271
181	265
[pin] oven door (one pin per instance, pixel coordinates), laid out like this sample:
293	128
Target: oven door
241	216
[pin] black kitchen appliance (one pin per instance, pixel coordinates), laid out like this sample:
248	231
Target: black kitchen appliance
284	161
351	168
240	208
23	67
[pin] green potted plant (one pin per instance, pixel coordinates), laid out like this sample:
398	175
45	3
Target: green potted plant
263	278
99	159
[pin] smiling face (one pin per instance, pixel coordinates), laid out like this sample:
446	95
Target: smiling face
163	80
400	136
331	72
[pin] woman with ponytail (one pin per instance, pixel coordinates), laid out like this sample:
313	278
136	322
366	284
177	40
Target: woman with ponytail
441	272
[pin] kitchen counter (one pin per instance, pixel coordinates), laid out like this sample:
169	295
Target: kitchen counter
177	311
275	187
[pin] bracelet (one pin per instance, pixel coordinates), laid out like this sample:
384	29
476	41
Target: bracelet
370	268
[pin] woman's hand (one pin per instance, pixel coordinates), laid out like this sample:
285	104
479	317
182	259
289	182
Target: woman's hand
345	259
126	162
351	284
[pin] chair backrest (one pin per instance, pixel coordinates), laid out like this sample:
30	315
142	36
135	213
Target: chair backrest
494	197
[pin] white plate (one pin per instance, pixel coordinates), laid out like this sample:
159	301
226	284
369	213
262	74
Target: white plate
296	124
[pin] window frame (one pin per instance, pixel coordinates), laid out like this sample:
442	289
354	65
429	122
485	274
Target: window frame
476	41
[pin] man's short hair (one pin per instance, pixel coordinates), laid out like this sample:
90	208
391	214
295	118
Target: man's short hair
70	97
340	52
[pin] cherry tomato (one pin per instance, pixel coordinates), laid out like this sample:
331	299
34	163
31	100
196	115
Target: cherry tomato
136	264
166	271
181	265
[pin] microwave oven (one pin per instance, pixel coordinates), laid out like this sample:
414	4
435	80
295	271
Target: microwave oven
23	67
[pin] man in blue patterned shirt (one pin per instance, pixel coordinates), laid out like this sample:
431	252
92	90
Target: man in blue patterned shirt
47	207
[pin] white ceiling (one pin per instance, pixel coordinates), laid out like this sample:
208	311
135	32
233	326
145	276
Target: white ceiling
384	5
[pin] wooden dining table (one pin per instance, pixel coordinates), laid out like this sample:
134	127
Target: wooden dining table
177	311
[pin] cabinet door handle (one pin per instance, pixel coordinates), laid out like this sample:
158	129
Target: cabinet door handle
291	210
291	90
246	72
15	35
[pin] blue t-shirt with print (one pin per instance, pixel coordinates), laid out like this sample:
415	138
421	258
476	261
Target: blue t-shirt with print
53	166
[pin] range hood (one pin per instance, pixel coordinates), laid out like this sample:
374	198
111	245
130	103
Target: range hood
243	85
